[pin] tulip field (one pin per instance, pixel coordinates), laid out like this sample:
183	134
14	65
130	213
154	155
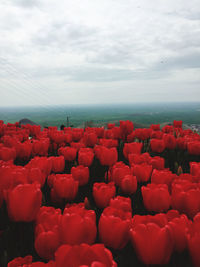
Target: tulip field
100	196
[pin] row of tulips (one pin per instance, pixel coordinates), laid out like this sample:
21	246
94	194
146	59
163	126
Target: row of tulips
119	172
154	238
18	145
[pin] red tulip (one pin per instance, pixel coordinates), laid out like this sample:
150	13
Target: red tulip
7	153
159	219
142	172
43	163
170	141
186	197
195	169
156	197
153	244
143	134
40	147
162	177
123	203
139	158
90	139
132	148
193	238
77	134
194	147
67	137
48	217
36	175
84	256
78	225
80	174
77	145
18	262
46	243
157	145
114	225
69	153
155	127
177	124
110	125
109	143
179	227
85	157
129	184
118	172
131	137
167	129
65	186
23	202
156	135
24	150
126	127
157	163
99	132
107	156
102	193
181	143
58	164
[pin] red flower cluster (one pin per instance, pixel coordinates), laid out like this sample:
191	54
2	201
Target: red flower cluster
44	169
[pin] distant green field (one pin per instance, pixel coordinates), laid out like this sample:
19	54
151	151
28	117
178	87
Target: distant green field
145	114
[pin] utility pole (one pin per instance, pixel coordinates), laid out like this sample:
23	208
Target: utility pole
67	121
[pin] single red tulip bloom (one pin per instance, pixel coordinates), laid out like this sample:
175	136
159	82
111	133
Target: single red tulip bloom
193	238
80	174
58	164
23	202
119	171
143	133
78	225
90	139
69	153
107	156
157	145
156	197
157	163
65	186
177	124
132	148
7	153
46	243
84	255
139	158
142	172
19	261
114	226
77	134
123	203
168	129
186	197
102	193
129	184
194	147
126	127
156	135
162	177
179	227
155	127
153	244
85	158
170	141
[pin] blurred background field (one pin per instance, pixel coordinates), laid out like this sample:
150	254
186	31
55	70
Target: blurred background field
142	114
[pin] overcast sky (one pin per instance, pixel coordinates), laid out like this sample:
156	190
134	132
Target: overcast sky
99	51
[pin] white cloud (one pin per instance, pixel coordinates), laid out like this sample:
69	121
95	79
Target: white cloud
81	51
